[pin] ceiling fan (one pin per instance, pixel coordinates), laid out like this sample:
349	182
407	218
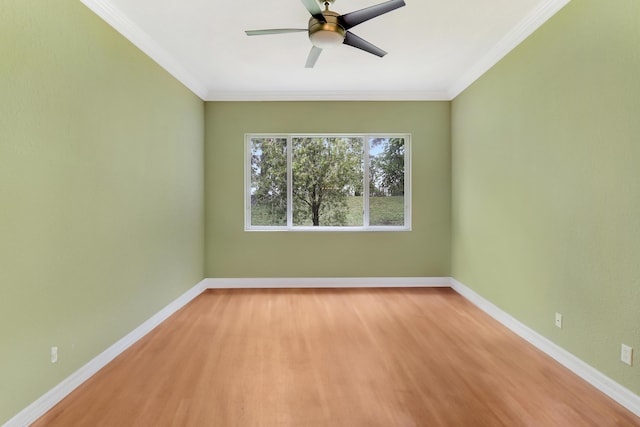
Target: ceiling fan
328	29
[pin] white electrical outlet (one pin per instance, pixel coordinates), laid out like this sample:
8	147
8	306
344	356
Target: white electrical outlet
54	354
626	354
558	320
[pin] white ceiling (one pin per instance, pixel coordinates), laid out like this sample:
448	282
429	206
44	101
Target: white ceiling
436	47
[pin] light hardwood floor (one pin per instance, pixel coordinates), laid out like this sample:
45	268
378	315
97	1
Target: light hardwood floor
334	357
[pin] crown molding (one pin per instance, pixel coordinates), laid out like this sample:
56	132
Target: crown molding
146	44
328	96
510	41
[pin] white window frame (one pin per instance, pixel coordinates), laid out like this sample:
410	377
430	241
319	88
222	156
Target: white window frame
290	227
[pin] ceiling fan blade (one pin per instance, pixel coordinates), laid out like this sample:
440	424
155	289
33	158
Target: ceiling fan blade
314	9
274	31
355	41
352	19
313	57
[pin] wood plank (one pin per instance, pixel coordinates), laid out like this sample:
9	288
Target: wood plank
334	357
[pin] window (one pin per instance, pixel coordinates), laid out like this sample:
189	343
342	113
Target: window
328	182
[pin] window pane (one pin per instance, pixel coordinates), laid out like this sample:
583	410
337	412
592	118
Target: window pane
327	181
386	181
269	181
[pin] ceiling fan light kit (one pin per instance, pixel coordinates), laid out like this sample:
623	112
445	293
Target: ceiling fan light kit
329	29
326	34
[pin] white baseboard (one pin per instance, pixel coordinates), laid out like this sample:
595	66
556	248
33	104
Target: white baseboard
617	392
328	282
603	383
48	400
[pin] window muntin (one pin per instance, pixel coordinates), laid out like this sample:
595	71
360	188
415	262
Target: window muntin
352	182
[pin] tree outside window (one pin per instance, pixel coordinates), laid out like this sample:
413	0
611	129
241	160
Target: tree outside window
328	182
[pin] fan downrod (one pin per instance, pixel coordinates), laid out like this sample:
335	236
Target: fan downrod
326	4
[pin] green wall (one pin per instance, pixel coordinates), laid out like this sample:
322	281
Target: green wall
232	252
546	183
525	188
101	192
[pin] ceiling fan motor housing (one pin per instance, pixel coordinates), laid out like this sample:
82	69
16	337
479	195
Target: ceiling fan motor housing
326	34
